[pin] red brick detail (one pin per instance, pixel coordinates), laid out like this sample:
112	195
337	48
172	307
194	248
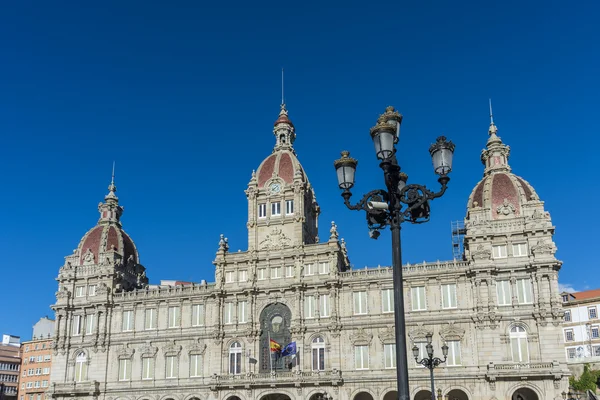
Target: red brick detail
478	195
92	242
526	188
283	119
504	188
266	170
112	239
129	248
286	168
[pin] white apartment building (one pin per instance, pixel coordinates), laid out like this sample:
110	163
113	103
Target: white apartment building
581	327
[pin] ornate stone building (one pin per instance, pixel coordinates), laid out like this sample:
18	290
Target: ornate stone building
499	311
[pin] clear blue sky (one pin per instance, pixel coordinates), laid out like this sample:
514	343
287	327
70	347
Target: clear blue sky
183	95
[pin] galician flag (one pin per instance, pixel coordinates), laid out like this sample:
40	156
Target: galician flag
275	347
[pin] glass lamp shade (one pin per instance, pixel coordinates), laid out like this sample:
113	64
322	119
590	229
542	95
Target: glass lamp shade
441	154
429	348
429	338
445	350
415	351
384	138
345	168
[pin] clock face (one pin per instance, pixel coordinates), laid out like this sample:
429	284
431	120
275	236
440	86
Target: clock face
275	188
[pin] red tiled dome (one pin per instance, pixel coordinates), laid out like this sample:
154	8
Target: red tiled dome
282	164
105	238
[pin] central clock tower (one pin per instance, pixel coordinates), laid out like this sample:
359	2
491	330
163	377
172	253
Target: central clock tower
282	208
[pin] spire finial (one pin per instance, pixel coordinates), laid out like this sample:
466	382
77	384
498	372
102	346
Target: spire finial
282	92
493	129
112	188
491	113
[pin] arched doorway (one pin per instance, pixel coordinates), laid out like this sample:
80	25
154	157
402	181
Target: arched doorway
234	398
457	394
391	395
423	395
275	322
320	396
363	396
524	394
275	396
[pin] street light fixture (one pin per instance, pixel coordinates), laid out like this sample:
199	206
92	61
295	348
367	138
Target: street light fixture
399	203
430	362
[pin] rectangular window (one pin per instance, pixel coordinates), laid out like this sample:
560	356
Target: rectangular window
127	321
275	272
243	275
147	368
275	209
171	367
47	357
79	291
76	325
504	293
37	383
197	315
567	316
92	290
519	249
360	303
44	384
150	322
46	371
361	357
323	268
309	269
229	276
571	352
242	308
38	371
389	355
29	385
418	298
125	370
499	251
40	358
422	351
89	324
595	333
289	207
174	317
324	305
524	292
453	353
228	313
289	271
262	274
195	365
569	335
592	313
262	210
387	300
32	359
309	307
449	296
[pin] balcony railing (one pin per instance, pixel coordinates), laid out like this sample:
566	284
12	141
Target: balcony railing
286	378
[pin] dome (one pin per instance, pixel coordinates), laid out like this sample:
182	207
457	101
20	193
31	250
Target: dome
107	237
500	193
281	164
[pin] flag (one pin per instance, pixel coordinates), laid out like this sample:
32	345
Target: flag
252	360
289	349
275	347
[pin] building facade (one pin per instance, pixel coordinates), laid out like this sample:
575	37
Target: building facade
10	364
499	311
581	329
36	361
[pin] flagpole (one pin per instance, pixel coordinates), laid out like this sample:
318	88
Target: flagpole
270	352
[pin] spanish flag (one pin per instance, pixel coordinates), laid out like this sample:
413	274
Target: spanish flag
275	347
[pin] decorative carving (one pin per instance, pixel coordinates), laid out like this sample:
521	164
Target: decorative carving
275	240
125	351
418	333
452	332
102	288
88	257
172	348
543	247
148	350
506	208
333	233
223	243
62	293
481	253
359	336
387	334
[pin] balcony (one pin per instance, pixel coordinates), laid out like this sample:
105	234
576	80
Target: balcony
276	379
521	370
91	388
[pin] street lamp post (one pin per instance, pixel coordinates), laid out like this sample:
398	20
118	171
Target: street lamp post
399	203
430	362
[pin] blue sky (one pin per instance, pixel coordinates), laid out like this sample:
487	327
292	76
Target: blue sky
183	95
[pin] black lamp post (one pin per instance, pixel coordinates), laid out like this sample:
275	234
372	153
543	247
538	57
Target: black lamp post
400	202
571	395
430	362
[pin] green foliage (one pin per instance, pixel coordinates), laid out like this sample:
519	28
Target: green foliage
587	380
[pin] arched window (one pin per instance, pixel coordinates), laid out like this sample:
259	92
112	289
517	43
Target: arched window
235	358
318	354
80	367
518	344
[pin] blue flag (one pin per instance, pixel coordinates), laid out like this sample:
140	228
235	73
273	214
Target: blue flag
289	349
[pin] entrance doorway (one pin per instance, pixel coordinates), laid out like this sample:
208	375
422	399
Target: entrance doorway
524	394
275	396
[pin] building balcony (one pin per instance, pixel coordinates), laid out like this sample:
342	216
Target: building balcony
276	379
90	388
529	369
